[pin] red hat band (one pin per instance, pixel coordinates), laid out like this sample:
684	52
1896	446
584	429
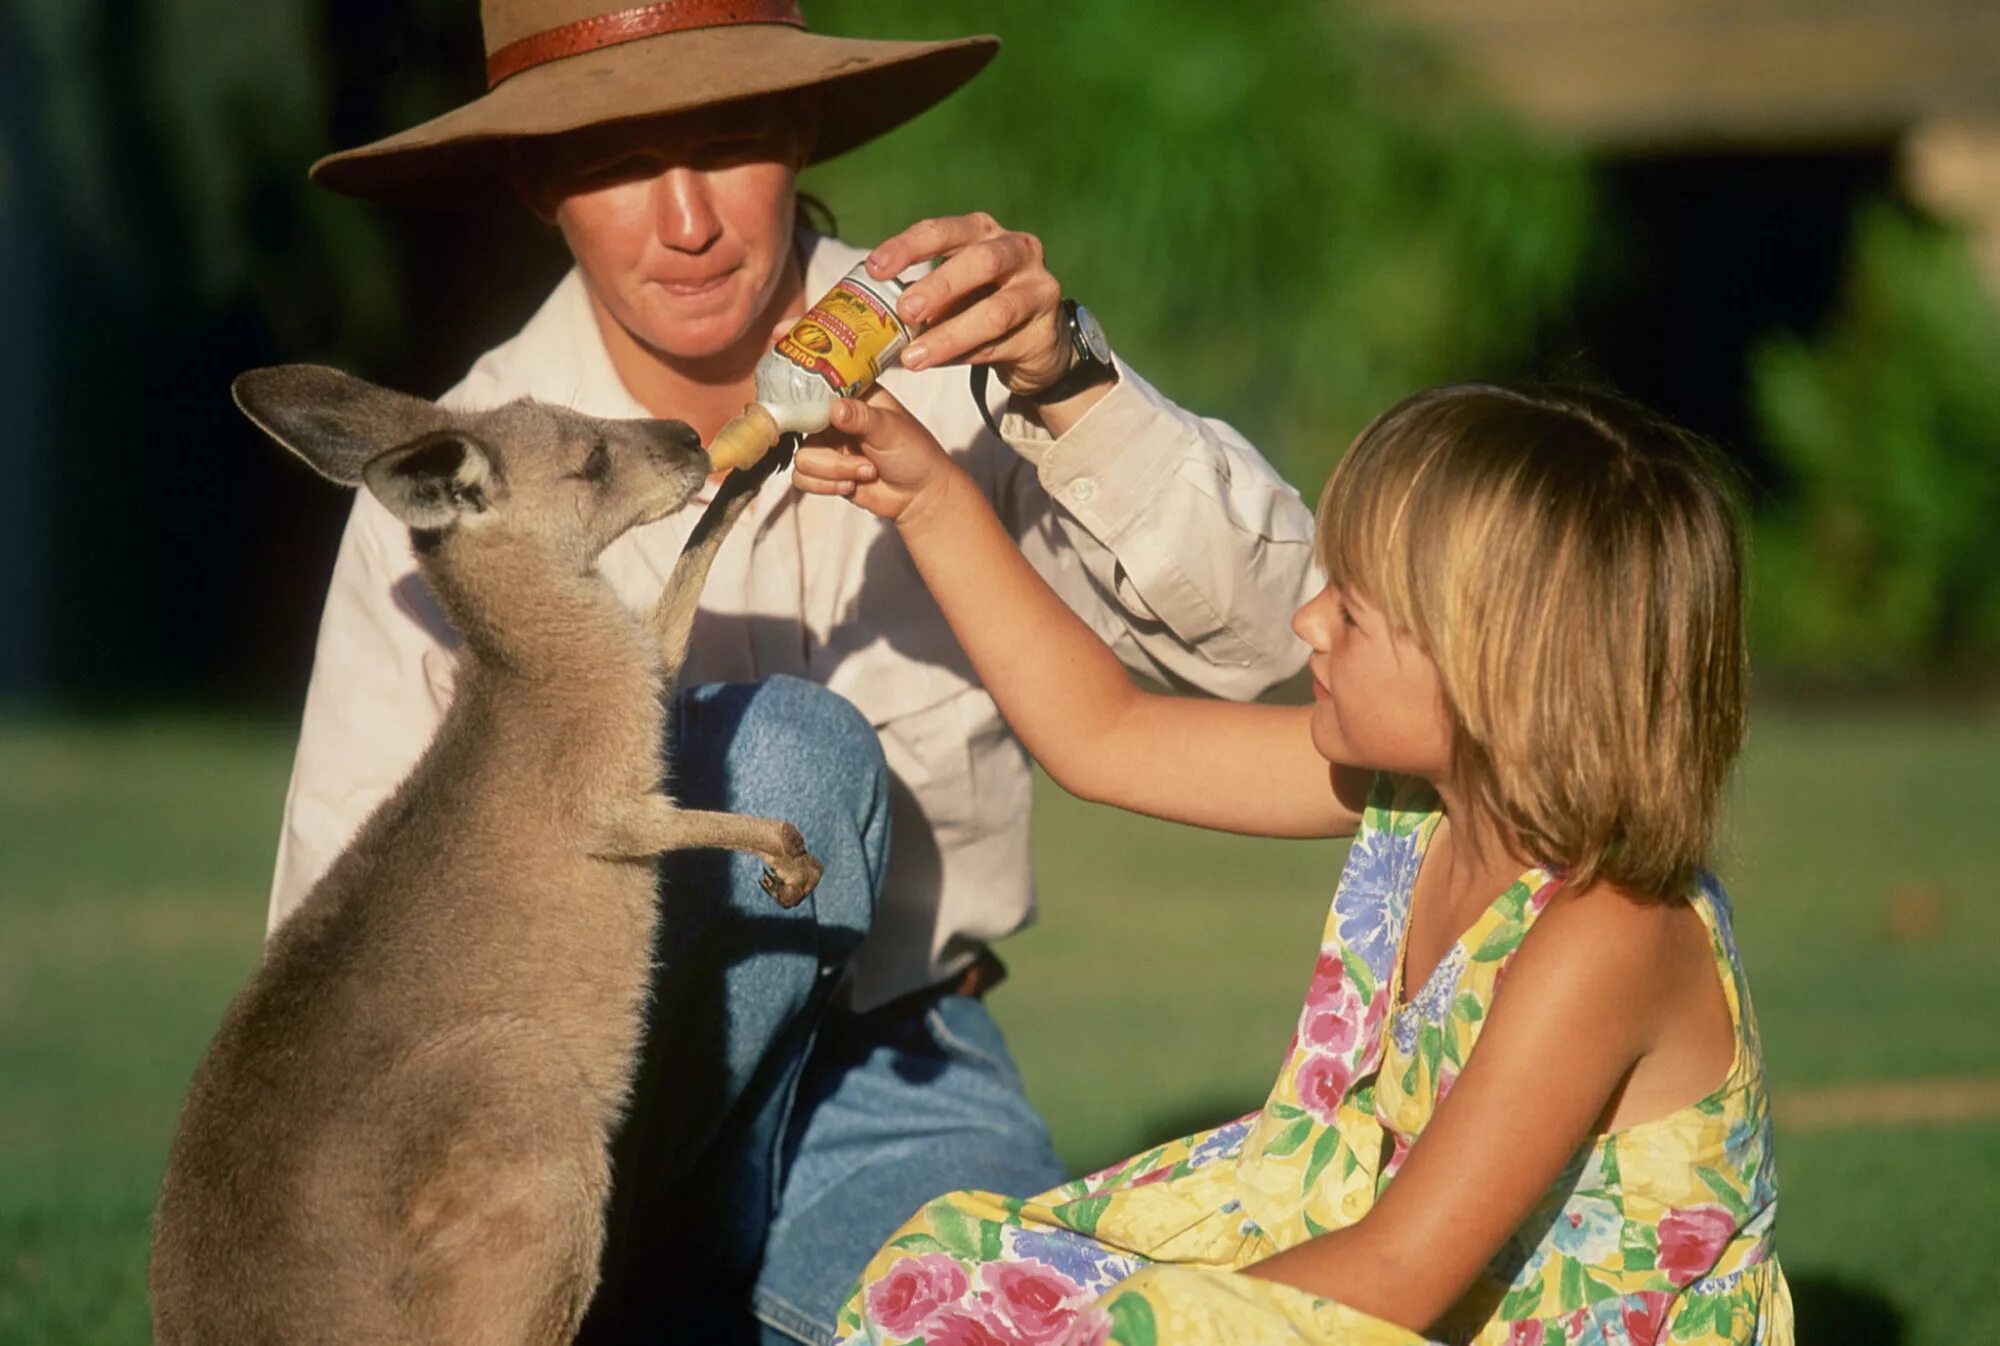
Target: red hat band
629	25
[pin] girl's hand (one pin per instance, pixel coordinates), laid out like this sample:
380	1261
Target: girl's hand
1214	763
896	470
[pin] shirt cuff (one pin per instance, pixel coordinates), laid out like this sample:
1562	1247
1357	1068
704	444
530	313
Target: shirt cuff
1114	460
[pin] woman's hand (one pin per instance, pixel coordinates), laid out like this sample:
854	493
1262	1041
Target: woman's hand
990	301
896	470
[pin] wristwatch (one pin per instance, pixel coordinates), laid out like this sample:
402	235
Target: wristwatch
1092	351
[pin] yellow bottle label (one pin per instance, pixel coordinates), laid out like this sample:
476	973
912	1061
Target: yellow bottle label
846	338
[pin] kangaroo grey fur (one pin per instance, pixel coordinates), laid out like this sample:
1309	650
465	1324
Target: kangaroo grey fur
400	1132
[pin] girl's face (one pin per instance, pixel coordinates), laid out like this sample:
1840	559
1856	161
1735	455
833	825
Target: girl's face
683	227
1377	703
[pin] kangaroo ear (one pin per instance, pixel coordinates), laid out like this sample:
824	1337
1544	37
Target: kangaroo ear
334	421
435	481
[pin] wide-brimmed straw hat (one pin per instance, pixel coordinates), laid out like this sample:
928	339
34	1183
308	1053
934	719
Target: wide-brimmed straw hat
554	66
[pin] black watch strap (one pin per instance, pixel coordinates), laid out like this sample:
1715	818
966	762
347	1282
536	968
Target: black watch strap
1091	365
1088	367
981	376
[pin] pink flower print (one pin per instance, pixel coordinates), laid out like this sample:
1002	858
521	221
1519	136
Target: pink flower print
1646	1315
1375	1012
1322	1081
914	1289
1447	1076
1031	1300
1330	1029
1529	1333
1328	973
1368	1056
1334	1010
1691	1240
1091	1328
956	1327
1399	1150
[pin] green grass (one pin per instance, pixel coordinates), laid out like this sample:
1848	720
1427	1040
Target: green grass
1156	995
133	861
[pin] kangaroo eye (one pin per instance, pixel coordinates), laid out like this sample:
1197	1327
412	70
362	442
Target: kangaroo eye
598	465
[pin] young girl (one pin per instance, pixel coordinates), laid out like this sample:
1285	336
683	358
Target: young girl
1528	685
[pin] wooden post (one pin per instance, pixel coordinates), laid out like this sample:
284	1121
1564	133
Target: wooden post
1952	168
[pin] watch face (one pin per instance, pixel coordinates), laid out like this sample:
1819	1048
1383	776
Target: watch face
1093	336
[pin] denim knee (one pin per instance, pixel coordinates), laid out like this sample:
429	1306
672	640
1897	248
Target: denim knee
817	761
805	718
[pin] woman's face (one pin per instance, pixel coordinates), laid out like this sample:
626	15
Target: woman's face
683	225
1377	703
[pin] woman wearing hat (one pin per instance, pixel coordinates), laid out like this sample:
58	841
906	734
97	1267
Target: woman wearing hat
814	1075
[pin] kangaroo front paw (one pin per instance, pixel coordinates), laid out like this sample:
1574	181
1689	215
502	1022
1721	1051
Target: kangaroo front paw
790	880
792	875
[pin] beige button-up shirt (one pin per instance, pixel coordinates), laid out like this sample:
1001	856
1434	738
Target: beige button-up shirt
1179	545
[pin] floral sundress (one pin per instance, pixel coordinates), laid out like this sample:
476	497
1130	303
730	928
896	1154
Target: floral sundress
1656	1233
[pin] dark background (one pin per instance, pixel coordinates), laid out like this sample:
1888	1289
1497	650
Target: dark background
157	237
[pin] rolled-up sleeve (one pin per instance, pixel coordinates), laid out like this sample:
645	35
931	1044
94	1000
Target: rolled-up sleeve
1172	536
381	679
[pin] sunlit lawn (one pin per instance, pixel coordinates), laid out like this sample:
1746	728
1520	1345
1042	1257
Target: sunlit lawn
1155	996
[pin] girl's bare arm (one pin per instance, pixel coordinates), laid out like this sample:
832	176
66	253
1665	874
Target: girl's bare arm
1588	995
1240	768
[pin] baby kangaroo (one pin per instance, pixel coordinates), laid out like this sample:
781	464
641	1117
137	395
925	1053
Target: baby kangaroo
400	1131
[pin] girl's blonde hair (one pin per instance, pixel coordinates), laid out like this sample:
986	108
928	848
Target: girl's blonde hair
1573	565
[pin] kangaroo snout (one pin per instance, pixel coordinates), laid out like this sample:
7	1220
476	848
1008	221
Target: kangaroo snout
672	444
672	451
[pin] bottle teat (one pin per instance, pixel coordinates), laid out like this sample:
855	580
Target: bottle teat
745	440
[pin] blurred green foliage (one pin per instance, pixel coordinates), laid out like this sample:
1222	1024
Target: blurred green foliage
1291	221
153	185
1878	558
178	132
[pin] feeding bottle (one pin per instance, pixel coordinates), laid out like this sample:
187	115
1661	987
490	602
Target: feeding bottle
838	349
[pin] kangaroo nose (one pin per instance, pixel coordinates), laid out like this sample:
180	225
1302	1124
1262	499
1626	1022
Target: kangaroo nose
668	441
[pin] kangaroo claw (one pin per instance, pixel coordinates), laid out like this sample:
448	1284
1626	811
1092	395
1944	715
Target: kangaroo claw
788	886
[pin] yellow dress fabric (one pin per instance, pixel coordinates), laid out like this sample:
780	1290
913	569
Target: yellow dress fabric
1654	1234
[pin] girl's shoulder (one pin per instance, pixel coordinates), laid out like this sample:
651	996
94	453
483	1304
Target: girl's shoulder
1656	977
1624	946
1641	945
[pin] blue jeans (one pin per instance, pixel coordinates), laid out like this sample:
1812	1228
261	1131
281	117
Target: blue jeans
894	1108
774	1142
